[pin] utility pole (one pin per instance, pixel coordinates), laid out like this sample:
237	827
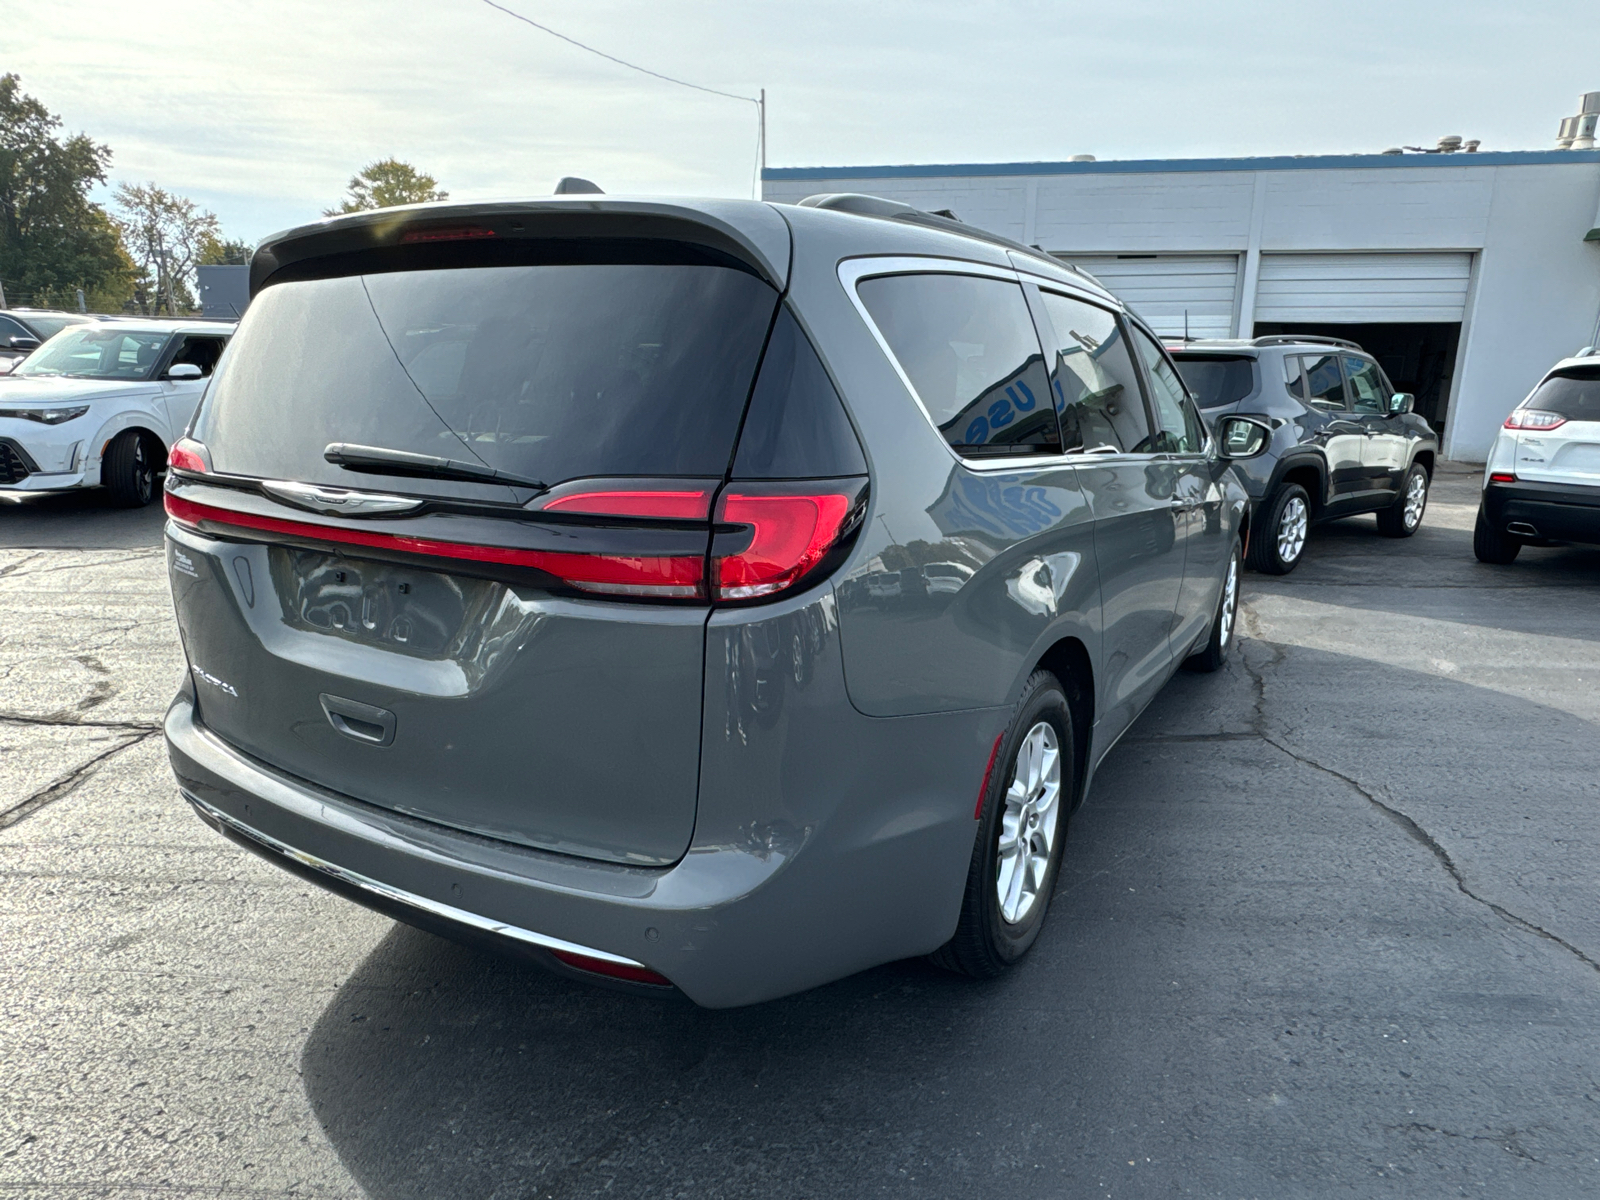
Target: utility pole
762	105
2	294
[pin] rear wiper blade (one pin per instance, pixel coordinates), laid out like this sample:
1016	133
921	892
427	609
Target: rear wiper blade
379	460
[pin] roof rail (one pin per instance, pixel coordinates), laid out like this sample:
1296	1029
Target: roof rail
897	210
1293	339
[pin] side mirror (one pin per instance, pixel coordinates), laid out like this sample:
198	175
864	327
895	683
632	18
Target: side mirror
183	371
1242	437
1401	402
23	343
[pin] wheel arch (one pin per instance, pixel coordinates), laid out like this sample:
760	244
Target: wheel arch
1425	460
1311	473
1068	660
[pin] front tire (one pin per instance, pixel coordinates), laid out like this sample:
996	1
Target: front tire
1491	545
1220	643
1278	542
1404	517
129	470
1021	829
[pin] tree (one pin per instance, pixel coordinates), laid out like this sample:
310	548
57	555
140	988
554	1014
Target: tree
385	184
53	239
167	236
217	252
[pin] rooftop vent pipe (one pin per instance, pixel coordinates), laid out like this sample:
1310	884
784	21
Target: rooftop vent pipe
1578	132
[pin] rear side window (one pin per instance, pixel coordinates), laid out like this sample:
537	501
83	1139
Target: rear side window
1217	379
1094	380
550	372
1324	381
796	427
969	348
1575	394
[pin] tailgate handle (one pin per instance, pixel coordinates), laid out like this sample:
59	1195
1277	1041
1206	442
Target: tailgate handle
363	722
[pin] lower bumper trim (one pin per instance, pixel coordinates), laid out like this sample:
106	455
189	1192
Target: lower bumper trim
393	896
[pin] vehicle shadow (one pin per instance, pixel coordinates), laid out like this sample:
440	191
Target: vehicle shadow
78	520
1233	929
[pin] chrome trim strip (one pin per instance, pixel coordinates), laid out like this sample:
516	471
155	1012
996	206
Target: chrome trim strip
459	915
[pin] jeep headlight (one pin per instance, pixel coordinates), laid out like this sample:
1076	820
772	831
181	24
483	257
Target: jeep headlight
46	416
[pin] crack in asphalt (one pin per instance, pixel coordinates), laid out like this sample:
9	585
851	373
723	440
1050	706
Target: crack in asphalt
1406	823
65	719
69	782
1507	1141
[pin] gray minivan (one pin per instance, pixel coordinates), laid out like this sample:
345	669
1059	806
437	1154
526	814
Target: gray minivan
719	596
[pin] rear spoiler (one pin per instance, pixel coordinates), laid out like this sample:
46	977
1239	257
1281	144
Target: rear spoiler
748	232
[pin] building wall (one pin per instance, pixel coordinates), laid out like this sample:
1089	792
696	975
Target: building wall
1535	293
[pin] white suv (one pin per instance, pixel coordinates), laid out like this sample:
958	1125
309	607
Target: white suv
102	403
1541	484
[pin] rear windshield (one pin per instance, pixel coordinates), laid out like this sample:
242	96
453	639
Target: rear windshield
1575	394
547	372
1216	379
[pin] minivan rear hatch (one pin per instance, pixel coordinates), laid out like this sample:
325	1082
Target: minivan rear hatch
441	529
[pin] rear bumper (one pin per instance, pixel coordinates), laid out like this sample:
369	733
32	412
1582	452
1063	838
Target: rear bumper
825	842
1562	512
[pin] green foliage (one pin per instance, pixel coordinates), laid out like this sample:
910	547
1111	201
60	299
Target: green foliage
167	237
217	252
53	240
386	184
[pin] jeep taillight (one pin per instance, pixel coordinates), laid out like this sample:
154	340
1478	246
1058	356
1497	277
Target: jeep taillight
791	528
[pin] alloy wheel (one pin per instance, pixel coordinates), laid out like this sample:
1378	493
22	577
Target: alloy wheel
1292	525
144	475
1416	499
1028	825
1230	602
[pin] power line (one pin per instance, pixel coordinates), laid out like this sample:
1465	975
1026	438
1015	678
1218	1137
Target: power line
761	103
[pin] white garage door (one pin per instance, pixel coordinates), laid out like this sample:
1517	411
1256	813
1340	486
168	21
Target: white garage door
1162	288
1362	288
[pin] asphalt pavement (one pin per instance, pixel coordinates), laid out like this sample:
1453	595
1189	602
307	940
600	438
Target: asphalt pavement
1329	925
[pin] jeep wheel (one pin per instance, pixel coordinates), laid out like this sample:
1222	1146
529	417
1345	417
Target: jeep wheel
1278	541
1404	516
1491	545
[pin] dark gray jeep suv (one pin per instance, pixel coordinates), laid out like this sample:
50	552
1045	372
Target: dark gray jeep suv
1344	441
718	595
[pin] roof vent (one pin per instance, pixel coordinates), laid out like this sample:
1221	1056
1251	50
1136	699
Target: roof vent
1450	144
1578	132
1081	158
571	185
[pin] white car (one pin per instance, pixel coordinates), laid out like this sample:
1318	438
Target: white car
1541	484
100	404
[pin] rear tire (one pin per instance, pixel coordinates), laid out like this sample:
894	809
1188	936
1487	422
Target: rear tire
1220	643
129	470
1278	539
1404	517
1491	545
1024	807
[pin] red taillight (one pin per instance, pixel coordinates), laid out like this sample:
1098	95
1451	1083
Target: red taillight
186	455
616	970
1533	418
675	577
1502	477
790	534
685	506
988	774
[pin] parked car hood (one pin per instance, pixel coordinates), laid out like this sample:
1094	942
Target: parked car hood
63	389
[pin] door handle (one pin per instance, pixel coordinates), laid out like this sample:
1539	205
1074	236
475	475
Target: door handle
360	722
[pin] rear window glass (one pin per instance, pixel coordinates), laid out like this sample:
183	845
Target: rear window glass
1575	394
1215	379
549	372
969	348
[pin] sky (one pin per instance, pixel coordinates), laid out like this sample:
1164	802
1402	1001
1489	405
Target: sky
261	110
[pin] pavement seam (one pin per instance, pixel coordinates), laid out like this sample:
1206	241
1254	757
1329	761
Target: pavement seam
1409	825
68	783
63	719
